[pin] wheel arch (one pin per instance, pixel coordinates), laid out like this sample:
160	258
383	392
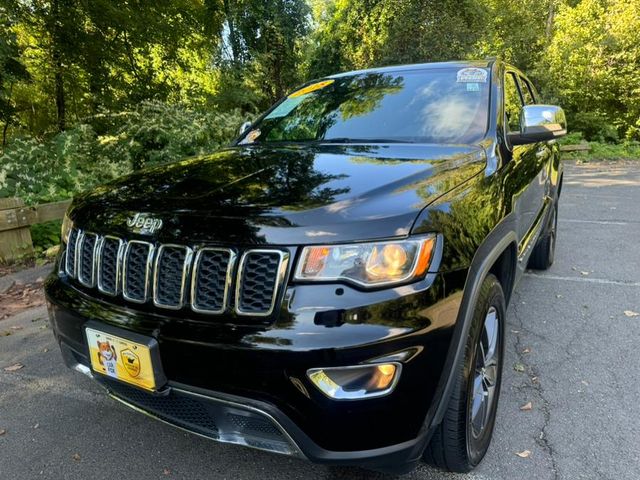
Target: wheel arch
504	268
497	255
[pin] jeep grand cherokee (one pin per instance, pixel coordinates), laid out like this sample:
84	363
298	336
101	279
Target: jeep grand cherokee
333	285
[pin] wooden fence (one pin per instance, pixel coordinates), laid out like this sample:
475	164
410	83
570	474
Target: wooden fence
15	220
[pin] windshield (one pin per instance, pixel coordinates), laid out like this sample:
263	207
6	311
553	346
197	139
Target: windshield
445	105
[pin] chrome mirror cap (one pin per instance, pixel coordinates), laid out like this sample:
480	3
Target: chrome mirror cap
541	122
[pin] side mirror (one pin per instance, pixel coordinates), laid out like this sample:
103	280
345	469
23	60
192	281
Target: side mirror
539	123
244	127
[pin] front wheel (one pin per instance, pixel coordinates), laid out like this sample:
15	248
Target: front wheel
462	439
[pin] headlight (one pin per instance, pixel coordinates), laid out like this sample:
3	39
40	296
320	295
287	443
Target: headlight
367	264
67	225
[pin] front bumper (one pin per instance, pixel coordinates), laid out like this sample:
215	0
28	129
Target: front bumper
221	374
243	421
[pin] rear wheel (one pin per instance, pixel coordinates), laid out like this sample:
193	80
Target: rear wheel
544	252
462	439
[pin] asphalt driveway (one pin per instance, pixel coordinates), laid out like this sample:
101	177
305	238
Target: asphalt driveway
572	352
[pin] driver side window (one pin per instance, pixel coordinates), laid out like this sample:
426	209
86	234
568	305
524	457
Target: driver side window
512	103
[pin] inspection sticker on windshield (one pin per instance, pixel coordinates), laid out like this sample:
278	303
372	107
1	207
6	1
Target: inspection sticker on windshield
311	88
472	75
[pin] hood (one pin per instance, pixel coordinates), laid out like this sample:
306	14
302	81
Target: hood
283	195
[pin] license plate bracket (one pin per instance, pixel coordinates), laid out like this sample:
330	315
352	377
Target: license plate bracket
125	356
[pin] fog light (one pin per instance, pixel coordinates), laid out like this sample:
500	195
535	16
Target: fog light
356	382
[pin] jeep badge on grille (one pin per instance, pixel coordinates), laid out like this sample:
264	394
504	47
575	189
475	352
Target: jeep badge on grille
142	223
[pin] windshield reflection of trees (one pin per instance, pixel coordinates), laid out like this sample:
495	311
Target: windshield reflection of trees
343	100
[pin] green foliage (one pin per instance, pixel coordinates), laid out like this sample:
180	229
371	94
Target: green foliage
158	133
45	235
12	70
572	138
592	65
129	84
271	33
56	168
628	150
72	161
517	32
365	33
594	126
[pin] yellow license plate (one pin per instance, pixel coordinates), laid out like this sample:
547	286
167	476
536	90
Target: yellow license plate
120	358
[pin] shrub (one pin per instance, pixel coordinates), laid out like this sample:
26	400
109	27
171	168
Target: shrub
45	235
159	133
64	164
594	126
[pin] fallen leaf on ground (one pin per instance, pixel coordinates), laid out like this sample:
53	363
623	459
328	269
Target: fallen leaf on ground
166	471
19	297
631	313
76	457
518	367
527	406
14	367
524	454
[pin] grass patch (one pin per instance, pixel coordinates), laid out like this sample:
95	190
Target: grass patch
629	150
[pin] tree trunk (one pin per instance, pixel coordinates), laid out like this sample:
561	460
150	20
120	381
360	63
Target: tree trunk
4	134
58	66
60	97
233	35
550	18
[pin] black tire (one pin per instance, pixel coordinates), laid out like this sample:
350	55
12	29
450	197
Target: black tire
455	446
545	250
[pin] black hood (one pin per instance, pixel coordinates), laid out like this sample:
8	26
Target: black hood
283	195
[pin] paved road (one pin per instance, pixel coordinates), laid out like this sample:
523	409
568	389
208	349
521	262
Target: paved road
582	376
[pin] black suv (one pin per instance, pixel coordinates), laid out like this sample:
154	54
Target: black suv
333	285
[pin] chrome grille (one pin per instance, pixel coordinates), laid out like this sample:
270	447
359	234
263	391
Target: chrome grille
85	258
175	276
136	271
108	271
258	278
172	265
211	280
70	261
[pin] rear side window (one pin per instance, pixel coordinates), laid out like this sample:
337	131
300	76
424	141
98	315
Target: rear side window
512	103
527	92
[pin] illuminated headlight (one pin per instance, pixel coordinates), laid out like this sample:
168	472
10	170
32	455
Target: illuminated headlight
357	382
367	264
67	225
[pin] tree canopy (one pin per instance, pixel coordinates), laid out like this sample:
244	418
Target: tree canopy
98	79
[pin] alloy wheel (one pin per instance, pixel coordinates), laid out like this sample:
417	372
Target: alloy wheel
485	374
